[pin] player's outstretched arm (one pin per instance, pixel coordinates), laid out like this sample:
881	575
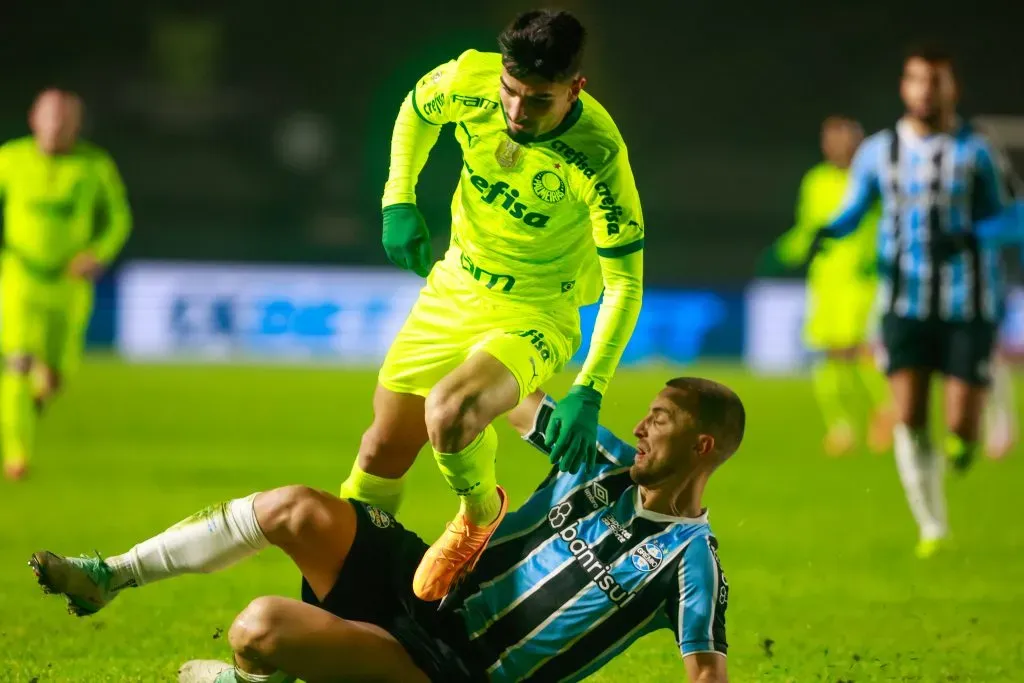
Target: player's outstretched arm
862	191
617	224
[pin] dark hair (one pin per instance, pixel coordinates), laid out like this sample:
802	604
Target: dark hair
933	53
545	43
717	410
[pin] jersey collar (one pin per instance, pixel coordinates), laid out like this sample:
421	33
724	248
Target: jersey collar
568	122
641	511
909	135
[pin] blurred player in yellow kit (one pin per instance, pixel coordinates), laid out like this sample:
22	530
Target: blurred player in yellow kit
65	219
545	215
841	290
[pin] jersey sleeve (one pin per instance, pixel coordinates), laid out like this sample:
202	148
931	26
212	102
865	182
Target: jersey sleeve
114	233
614	450
617	224
862	190
698	612
430	96
992	185
614	206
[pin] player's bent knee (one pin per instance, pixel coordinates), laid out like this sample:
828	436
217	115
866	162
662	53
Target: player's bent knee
19	363
450	416
290	513
253	633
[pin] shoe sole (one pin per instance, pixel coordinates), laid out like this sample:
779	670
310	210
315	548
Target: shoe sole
39	569
38	565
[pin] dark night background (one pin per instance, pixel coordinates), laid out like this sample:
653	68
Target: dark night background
258	131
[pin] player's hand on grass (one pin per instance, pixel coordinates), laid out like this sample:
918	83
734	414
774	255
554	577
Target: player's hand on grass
85	266
572	430
407	239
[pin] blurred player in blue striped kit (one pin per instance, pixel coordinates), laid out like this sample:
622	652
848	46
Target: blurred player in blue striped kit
945	218
591	562
842	281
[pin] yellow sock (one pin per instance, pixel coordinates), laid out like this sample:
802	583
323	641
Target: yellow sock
471	473
380	492
17	416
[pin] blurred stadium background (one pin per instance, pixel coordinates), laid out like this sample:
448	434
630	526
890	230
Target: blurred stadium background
253	139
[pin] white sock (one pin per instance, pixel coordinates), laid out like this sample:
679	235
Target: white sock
212	539
914	461
276	677
935	490
1000	408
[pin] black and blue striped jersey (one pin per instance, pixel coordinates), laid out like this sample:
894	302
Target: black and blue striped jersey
931	186
582	570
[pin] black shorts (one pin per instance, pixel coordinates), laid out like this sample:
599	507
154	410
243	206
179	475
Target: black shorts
962	350
375	586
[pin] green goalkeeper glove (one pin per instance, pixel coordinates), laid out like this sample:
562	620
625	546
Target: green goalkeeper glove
406	238
572	430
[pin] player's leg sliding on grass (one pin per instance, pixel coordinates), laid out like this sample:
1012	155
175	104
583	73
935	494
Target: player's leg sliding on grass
273	634
538	230
359	619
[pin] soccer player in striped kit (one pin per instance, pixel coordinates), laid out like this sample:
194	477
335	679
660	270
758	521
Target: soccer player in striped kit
944	209
593	560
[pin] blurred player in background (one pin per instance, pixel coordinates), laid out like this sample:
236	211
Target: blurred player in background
1001	422
842	284
944	216
65	219
545	215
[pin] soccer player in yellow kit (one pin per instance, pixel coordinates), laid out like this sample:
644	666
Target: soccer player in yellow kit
53	187
545	215
841	289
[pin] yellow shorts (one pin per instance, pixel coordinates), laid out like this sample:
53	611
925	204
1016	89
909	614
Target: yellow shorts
45	320
448	324
840	317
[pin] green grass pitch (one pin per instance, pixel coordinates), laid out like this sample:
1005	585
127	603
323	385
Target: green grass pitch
824	585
